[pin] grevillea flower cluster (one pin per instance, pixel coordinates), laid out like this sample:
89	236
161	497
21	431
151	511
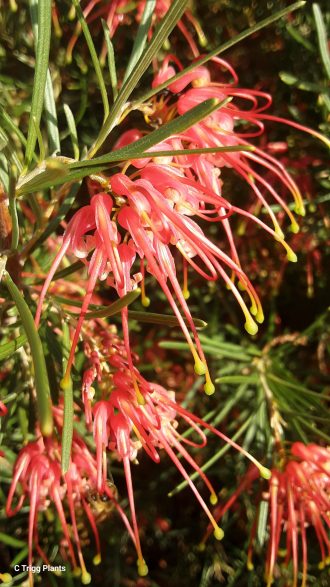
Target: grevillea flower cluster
158	218
122	424
299	498
160	203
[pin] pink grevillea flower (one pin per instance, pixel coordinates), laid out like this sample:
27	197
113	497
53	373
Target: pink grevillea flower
222	129
299	498
123	425
108	255
38	472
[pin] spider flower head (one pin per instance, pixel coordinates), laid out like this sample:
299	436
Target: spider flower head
38	473
124	426
299	498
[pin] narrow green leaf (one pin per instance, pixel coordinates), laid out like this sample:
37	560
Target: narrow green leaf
297	36
296	386
13	210
161	33
230	346
163	319
11	540
94	57
111	60
237	379
68	270
50	115
40	75
322	38
116	306
175	126
141	37
218	353
315	429
9	124
45	175
72	130
40	141
21	556
38	358
262	522
223	47
7	349
67	431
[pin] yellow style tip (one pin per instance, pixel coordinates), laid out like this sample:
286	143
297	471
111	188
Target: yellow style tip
251	327
294	227
86	578
142	568
213	499
186	294
249	565
260	316
300	209
145	301
97	560
291	256
264	472
209	388
199	367
218	533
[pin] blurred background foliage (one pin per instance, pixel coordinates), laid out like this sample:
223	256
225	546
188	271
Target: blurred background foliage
273	388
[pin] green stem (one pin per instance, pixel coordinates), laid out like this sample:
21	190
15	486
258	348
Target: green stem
67	432
13	212
39	364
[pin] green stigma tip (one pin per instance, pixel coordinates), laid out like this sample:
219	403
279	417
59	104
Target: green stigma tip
199	367
186	294
218	533
97	559
249	566
254	310
77	572
300	209
213	499
201	547
142	568
86	578
294	227
145	301
291	256
260	316
264	472
251	327
209	388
